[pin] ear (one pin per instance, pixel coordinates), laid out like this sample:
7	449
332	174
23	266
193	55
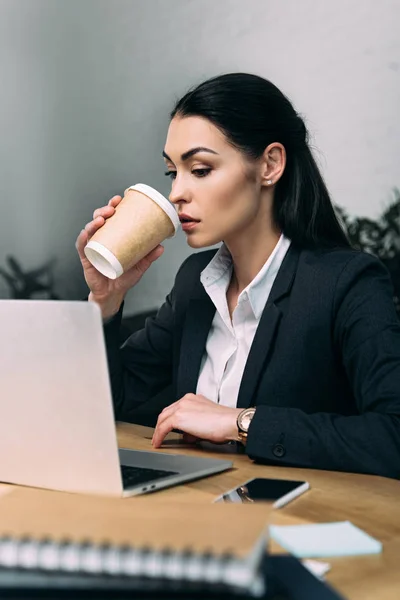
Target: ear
273	164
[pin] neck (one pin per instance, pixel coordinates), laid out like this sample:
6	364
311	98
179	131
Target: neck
250	251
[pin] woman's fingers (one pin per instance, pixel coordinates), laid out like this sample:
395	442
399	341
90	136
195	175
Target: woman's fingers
155	253
142	266
114	201
161	431
81	242
166	414
169	410
105	211
164	423
86	234
99	217
94	225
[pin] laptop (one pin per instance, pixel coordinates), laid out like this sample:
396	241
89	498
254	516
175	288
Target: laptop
57	428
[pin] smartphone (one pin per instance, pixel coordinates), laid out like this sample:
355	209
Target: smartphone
280	491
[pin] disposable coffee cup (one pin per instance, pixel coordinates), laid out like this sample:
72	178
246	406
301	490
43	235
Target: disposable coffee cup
143	219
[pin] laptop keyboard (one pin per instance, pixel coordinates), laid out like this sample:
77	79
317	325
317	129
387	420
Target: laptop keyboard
132	476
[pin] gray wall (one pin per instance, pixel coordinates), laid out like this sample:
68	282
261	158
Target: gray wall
86	87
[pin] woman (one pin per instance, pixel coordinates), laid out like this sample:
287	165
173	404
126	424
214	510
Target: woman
285	339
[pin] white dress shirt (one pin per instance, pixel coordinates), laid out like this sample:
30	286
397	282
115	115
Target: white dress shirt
229	341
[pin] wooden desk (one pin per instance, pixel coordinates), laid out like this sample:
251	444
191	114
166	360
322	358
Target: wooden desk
371	503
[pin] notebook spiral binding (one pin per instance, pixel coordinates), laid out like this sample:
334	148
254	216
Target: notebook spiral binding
114	560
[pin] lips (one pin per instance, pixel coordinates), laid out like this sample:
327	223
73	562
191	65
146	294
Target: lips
187	219
188	222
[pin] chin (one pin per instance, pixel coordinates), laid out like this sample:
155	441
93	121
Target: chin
201	241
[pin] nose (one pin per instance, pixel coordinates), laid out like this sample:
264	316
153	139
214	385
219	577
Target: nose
179	192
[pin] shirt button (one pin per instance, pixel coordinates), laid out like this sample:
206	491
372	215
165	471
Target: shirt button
278	450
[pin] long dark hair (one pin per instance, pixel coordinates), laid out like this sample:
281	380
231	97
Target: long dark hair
252	113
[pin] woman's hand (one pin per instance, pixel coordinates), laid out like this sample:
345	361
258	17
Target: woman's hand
201	418
109	293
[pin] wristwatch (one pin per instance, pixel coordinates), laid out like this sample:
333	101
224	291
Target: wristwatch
243	423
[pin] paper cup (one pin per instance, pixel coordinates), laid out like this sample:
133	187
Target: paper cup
143	219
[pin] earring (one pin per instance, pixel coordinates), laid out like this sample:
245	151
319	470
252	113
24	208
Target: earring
269	181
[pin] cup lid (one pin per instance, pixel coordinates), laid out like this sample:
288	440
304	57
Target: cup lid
103	259
160	200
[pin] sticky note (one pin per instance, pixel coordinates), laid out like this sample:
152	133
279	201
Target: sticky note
320	540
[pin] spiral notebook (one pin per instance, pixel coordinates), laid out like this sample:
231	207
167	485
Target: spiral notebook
210	544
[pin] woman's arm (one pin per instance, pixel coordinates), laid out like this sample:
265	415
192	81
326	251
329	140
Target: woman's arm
142	366
367	334
368	443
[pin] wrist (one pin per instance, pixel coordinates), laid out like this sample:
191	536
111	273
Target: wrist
233	435
109	307
244	419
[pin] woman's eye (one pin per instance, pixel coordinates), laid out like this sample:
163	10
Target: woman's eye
201	172
196	172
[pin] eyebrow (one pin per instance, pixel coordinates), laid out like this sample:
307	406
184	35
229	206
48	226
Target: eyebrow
190	153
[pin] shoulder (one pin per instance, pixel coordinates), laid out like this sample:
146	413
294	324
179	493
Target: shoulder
355	280
341	266
338	259
338	272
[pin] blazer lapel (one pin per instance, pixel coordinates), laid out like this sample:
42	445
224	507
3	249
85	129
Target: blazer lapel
267	329
198	320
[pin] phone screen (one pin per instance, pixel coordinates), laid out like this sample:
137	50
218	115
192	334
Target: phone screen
265	490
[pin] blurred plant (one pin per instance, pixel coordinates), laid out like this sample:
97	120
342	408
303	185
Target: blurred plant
29	284
380	237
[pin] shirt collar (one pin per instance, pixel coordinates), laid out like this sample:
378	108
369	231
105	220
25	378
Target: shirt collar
219	272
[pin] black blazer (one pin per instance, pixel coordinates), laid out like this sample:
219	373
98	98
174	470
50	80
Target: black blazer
323	369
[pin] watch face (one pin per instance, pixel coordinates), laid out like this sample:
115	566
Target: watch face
245	419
